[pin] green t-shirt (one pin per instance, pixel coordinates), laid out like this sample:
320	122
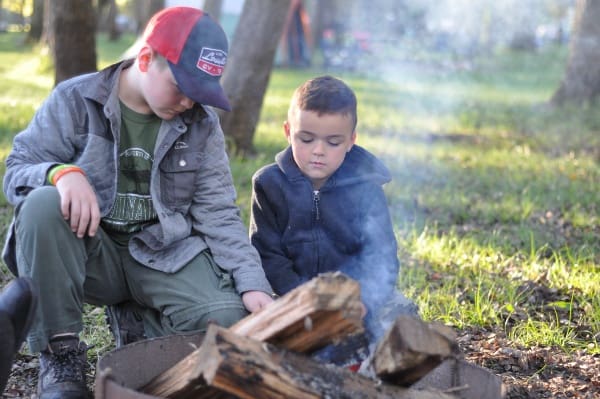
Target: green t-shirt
133	207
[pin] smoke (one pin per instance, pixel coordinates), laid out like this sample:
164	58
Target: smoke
406	42
385	38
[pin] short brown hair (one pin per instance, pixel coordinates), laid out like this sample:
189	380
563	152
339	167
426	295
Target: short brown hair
160	60
325	95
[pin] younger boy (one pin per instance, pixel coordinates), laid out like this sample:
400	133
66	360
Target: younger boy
321	207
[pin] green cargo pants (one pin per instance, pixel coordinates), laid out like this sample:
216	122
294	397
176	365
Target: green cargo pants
69	271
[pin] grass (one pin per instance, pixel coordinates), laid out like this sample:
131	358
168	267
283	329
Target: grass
494	197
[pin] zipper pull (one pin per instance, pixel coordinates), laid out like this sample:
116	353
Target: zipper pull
316	202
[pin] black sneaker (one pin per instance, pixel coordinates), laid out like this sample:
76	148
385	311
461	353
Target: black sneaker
62	369
125	322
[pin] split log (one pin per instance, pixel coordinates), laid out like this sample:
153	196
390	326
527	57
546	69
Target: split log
317	313
463	379
412	348
230	364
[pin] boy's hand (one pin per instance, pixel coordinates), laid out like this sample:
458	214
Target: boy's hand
78	204
255	300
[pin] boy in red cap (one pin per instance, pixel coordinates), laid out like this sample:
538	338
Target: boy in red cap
124	194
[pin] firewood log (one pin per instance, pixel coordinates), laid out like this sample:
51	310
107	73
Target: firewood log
412	348
317	313
229	364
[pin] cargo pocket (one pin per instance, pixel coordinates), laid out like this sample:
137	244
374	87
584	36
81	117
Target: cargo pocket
224	278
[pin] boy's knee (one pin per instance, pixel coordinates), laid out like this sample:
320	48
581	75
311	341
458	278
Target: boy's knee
225	317
198	319
41	204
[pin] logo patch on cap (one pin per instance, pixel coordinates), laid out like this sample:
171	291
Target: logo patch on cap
212	61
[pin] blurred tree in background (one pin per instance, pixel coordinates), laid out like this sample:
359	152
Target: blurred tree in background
581	83
362	36
107	18
213	7
144	10
249	66
72	29
37	22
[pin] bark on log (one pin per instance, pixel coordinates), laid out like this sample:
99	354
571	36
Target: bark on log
231	364
412	348
317	313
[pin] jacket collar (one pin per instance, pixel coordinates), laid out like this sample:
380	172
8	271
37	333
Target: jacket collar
359	166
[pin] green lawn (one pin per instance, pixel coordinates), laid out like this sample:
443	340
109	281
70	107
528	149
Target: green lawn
494	197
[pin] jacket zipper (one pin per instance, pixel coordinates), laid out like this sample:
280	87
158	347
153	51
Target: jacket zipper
316	204
317	265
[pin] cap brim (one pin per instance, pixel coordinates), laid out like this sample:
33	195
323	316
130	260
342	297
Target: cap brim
206	92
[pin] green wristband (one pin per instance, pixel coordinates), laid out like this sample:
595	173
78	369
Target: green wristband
55	169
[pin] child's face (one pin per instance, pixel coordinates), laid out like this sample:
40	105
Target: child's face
161	92
319	143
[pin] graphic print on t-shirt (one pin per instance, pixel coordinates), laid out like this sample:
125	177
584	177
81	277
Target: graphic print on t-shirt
133	205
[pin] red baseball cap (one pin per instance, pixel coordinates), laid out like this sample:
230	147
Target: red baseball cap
195	47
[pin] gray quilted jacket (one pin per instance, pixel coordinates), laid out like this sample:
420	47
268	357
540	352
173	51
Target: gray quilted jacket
191	184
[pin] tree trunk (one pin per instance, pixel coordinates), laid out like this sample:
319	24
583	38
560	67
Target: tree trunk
144	10
327	11
249	67
581	83
107	19
47	38
37	22
73	26
113	31
213	7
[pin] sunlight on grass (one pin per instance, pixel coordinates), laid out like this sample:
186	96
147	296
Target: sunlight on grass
544	333
30	67
472	284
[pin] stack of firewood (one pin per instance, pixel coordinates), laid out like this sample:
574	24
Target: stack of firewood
265	354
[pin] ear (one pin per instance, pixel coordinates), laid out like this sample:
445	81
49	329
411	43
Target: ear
287	131
144	58
352	140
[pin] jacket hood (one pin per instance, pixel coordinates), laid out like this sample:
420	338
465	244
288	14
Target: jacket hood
359	166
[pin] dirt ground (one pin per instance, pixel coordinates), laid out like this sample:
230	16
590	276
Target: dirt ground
526	373
534	372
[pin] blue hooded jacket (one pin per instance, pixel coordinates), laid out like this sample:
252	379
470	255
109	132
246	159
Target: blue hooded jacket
345	226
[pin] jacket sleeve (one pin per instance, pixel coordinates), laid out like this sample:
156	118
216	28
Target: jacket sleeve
268	221
377	266
216	217
49	139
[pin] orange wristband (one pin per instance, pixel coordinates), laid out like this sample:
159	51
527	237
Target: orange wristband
60	173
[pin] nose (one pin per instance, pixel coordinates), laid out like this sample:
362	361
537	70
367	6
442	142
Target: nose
319	147
187	102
